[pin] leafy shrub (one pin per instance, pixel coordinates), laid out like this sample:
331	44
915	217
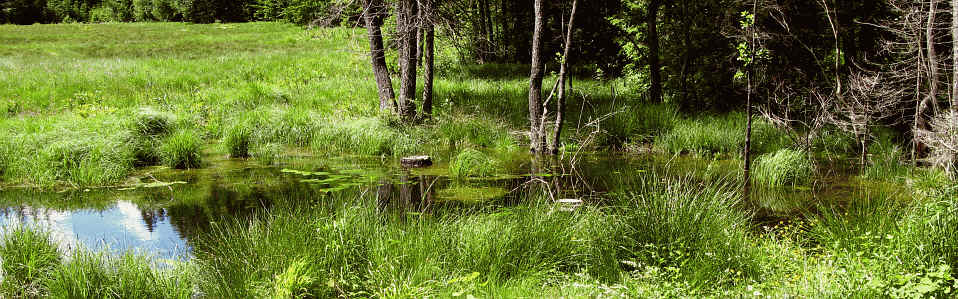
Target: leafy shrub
122	10
783	167
102	14
293	11
181	150
28	256
164	10
473	163
142	10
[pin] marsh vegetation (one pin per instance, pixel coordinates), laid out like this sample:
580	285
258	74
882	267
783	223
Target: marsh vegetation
252	160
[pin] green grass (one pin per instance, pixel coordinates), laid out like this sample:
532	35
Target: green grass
181	150
474	163
782	168
97	275
28	256
721	135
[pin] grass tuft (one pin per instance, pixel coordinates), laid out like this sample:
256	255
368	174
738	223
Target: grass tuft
181	150
783	167
696	230
474	163
238	141
28	256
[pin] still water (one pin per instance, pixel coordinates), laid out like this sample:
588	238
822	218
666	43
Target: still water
161	212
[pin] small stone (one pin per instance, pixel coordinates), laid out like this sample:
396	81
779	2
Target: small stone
416	161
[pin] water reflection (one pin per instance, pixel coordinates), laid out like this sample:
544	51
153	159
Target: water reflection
165	222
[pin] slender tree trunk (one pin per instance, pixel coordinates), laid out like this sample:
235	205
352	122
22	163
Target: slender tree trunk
931	98
537	138
560	101
655	91
407	19
428	55
954	55
746	172
374	21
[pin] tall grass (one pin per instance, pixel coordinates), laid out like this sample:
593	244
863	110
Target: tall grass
783	167
474	163
181	150
34	266
28	256
724	134
699	231
96	275
886	161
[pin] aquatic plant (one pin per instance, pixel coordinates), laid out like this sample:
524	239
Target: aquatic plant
783	167
238	140
28	255
474	163
181	150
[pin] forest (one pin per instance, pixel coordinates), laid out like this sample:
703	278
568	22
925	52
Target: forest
478	148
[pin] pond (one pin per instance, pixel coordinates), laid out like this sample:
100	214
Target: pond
161	212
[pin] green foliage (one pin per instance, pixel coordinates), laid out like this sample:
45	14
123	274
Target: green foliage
96	275
695	230
181	150
474	163
725	135
238	140
296	281
365	136
886	159
639	123
293	11
28	256
783	167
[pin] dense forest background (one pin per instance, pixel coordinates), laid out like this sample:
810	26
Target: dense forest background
851	65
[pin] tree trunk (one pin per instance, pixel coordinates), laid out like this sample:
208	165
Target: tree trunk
954	55
746	172
536	138
931	98
560	101
655	91
374	21
428	56
406	20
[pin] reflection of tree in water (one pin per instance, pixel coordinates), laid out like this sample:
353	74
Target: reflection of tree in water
195	206
406	193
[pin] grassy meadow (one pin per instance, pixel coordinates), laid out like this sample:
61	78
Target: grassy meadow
86	106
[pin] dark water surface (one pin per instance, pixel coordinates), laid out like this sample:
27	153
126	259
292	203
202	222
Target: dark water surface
161	212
